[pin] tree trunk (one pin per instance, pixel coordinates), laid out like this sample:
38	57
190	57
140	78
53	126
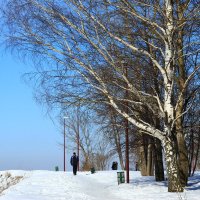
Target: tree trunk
143	162
117	138
146	156
118	147
158	160
183	164
196	155
119	151
150	163
174	184
191	151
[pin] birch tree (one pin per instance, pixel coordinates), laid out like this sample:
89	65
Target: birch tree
76	39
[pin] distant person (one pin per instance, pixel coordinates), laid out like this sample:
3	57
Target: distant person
136	166
74	162
114	166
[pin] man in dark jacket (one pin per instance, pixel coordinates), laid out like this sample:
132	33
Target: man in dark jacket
74	162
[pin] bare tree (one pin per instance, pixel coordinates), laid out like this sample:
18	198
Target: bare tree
192	132
103	155
81	131
112	128
80	36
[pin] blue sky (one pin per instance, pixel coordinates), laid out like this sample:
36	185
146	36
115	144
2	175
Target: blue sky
28	138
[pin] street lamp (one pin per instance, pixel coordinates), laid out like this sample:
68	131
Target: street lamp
64	144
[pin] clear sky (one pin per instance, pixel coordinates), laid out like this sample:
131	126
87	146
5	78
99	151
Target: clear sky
28	138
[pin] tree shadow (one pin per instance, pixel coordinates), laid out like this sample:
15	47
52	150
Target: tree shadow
147	180
194	182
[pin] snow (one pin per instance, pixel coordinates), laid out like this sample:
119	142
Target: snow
49	185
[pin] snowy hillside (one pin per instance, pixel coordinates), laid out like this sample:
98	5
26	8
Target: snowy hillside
49	185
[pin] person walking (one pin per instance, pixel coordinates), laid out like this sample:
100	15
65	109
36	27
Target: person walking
74	162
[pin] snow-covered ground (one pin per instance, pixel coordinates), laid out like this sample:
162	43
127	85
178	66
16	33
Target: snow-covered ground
49	185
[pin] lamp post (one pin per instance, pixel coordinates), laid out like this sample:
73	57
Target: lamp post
78	147
64	146
126	125
78	133
127	134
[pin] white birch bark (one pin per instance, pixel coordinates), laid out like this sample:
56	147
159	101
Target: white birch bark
174	184
169	69
169	144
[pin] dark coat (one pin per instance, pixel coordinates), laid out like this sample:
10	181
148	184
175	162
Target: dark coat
74	160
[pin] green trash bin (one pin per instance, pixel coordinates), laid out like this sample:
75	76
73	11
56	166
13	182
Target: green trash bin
56	168
120	177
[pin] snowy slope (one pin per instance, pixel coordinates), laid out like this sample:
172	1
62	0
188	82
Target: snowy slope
49	185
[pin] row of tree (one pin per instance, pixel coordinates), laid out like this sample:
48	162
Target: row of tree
133	60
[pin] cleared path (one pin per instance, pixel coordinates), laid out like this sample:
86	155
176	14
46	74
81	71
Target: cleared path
45	185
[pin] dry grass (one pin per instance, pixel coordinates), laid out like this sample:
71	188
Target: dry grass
7	180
